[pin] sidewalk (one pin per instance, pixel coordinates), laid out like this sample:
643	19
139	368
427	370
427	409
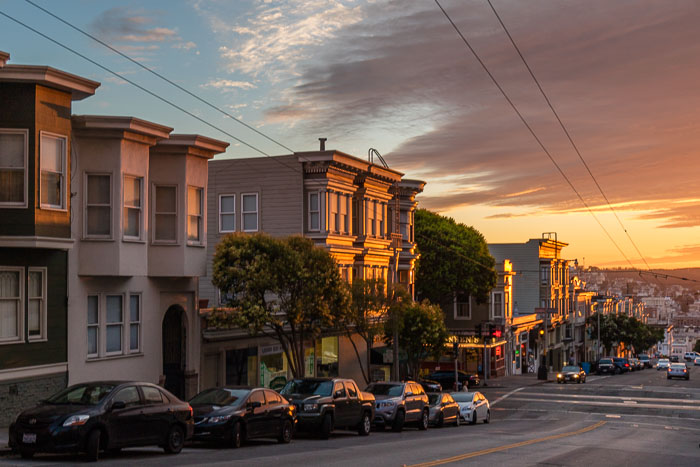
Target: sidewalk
4	437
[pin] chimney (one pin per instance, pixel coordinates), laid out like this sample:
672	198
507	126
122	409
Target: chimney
323	143
4	57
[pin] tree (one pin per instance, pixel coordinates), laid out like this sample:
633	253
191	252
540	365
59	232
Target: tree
421	330
616	329
454	258
697	346
287	289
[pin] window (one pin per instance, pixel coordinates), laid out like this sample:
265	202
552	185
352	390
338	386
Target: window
462	306
93	320
544	275
339	390
98	206
352	389
53	170
257	396
250	212
371	216
132	207
134	322
11	304
13	167
272	398
343	201
314	212
165	214
194	214
115	323
152	395
129	395
380	219
227	213
498	305
334	216
36	291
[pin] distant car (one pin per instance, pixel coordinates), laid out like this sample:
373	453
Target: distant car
606	366
399	403
473	406
678	370
443	409
696	362
663	364
675	359
103	415
646	361
430	386
446	378
571	373
690	356
235	415
635	364
622	365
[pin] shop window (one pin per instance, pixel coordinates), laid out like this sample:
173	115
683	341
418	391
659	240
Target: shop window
327	357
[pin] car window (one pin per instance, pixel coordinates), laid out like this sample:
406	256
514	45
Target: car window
257	396
352	389
129	395
384	389
447	398
433	399
152	395
339	387
418	389
272	398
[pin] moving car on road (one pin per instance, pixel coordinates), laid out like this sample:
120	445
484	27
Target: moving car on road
622	365
663	364
473	406
446	378
690	356
324	404
677	370
234	415
646	361
571	373
606	366
443	409
103	415
399	403
696	362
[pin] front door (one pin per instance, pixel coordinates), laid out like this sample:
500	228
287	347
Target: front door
174	350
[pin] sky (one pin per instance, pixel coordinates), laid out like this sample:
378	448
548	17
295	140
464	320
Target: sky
623	76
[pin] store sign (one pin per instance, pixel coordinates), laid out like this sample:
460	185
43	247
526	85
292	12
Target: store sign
270	349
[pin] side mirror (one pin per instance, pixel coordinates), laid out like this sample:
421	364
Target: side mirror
254	405
409	394
338	393
118	405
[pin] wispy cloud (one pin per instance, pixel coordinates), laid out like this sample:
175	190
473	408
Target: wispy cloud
122	25
228	84
185	45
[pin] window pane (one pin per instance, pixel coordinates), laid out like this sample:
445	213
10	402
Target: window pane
192	228
98	191
250	203
165	199
51	188
11	151
313	201
132	191
92	310
132	218
11	186
250	221
9	284
134	308
114	308
114	338
35	284
228	222
194	201
166	227
99	220
134	337
228	204
51	154
34	320
92	340
8	318
314	221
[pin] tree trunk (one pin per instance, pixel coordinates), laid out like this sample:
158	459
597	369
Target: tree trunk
365	376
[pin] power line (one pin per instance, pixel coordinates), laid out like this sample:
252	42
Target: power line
455	251
532	132
566	132
172	83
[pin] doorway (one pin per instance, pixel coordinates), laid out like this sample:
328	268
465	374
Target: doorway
174	350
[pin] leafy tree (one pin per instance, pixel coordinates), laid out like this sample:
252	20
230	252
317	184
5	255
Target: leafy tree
287	289
616	329
421	330
697	346
454	259
608	330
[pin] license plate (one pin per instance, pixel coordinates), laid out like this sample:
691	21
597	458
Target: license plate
29	438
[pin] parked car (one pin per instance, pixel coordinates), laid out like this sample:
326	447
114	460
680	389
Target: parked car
430	385
571	373
606	366
690	356
443	409
678	370
696	362
675	359
446	378
103	415
398	403
622	365
663	364
635	364
234	415
326	403
646	361
473	406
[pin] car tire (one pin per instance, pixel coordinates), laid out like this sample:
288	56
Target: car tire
458	420
488	417
473	420
440	421
668	377
92	446
175	440
399	420
365	425
326	426
236	436
424	420
26	453
285	436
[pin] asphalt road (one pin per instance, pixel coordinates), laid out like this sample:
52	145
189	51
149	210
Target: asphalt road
636	419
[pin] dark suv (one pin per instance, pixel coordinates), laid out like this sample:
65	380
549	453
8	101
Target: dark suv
324	404
447	379
400	403
646	361
622	365
606	365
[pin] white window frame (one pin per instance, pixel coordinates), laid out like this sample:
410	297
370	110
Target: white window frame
493	305
343	208
125	208
42	309
154	224
24	203
21	306
457	304
316	211
64	169
87	235
244	212
200	223
222	212
107	324
134	323
97	326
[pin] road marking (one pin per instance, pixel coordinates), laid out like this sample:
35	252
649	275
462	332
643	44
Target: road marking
623	398
613	416
588	412
608	404
483	452
505	395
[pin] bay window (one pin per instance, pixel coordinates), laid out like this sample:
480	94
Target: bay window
194	214
314	211
11	303
98	206
132	207
53	171
165	214
13	167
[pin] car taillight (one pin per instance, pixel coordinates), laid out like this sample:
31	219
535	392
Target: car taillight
191	412
627	364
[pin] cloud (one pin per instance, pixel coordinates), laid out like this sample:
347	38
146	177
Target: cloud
227	84
185	45
120	24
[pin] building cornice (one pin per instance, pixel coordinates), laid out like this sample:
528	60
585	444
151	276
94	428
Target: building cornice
77	86
109	126
53	243
191	145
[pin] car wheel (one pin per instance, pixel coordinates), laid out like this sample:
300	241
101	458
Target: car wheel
26	453
235	437
326	426
458	420
558	382
440	420
584	380
286	434
423	425
175	440
92	446
365	425
397	426
473	420
668	377
488	416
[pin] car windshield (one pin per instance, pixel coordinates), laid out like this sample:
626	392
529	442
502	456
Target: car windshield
644	357
308	386
663	360
82	394
217	396
619	359
605	360
381	389
433	399
570	368
463	396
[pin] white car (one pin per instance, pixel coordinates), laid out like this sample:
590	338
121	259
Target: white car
696	362
473	406
663	364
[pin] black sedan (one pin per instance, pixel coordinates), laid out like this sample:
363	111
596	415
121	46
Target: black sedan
572	374
446	378
104	415
233	415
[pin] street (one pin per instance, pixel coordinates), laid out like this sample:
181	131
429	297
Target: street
640	418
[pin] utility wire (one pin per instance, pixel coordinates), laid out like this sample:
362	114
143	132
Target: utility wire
153	72
566	132
532	132
455	251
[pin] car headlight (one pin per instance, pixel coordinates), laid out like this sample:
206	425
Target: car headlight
387	404
575	376
311	407
76	420
220	418
560	375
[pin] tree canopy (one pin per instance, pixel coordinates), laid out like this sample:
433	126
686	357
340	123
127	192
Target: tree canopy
454	259
620	328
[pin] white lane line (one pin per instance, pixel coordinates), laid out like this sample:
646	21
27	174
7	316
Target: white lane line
613	416
630	399
607	404
505	396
